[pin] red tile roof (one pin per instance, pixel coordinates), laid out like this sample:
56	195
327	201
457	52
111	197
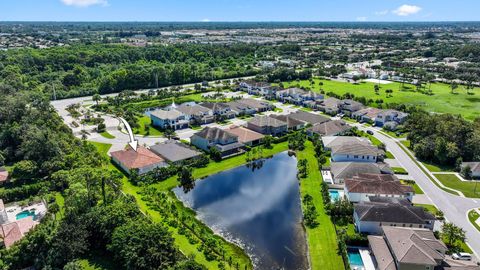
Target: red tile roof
12	232
137	159
3	174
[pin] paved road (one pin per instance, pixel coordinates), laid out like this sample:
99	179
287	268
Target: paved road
455	208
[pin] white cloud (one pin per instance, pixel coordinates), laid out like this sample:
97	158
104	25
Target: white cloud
84	3
361	19
382	12
206	20
406	10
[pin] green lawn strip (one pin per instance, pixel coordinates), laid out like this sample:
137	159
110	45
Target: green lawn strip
97	261
399	170
144	122
416	188
107	135
466	187
437	168
425	172
389	154
394	134
432	209
60	200
473	216
322	240
442	100
406	143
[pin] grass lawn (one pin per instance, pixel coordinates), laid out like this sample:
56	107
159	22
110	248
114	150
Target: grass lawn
432	209
60	200
389	154
442	100
466	187
437	168
102	148
416	188
399	170
406	143
322	240
107	135
473	216
143	122
394	134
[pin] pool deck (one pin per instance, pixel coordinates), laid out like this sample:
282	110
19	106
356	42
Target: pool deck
39	208
366	258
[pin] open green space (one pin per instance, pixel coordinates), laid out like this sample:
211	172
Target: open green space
416	188
145	127
322	240
399	170
107	135
437	168
473	216
442	100
470	189
389	155
432	209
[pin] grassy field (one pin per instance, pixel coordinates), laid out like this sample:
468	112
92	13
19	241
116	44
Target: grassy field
466	187
102	147
432	209
143	122
107	135
473	216
442	100
322	241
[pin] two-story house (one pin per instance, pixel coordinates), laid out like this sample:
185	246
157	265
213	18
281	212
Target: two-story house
225	142
169	119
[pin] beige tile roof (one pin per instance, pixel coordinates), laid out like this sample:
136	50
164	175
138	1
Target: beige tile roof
245	135
3	174
137	159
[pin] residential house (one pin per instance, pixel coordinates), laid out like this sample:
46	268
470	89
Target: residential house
245	135
142	160
240	108
369	217
367	115
348	106
257	88
292	123
258	105
12	232
267	125
298	96
225	142
400	248
219	109
390	118
330	128
357	152
362	186
474	166
3	175
169	119
309	118
334	141
174	151
329	106
343	170
195	113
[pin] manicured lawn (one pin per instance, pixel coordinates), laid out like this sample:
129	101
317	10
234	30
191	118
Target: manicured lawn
107	135
442	100
102	148
322	240
432	209
466	187
399	170
60	200
389	154
437	168
144	122
406	143
416	188
394	134
473	216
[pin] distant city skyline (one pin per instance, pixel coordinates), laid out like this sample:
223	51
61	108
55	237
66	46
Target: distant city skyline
239	10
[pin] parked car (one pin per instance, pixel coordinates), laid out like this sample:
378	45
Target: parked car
462	256
370	132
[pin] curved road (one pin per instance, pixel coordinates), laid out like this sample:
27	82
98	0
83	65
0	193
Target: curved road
455	208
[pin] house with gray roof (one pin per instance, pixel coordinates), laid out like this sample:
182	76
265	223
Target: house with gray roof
169	119
355	151
390	118
330	105
343	170
400	248
195	113
174	151
348	106
267	125
292	123
297	96
225	142
369	217
474	166
258	105
330	128
309	118
360	187
219	109
240	108
334	141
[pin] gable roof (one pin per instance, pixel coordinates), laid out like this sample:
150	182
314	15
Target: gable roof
330	102
254	103
310	118
414	246
330	128
369	112
3	174
132	159
332	141
392	212
245	135
174	151
215	134
163	114
355	148
215	105
475	166
383	257
192	109
343	170
14	231
376	184
266	121
291	122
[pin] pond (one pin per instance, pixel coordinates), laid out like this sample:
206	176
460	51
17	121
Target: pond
256	208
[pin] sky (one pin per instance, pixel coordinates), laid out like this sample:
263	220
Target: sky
239	10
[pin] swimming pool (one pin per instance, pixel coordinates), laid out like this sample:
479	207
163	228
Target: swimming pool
25	214
334	194
355	259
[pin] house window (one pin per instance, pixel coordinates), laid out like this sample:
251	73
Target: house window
355	156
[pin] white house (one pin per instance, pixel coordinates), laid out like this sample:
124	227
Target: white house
357	152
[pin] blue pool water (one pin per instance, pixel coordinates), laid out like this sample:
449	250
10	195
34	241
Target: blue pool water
334	195
354	257
25	214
